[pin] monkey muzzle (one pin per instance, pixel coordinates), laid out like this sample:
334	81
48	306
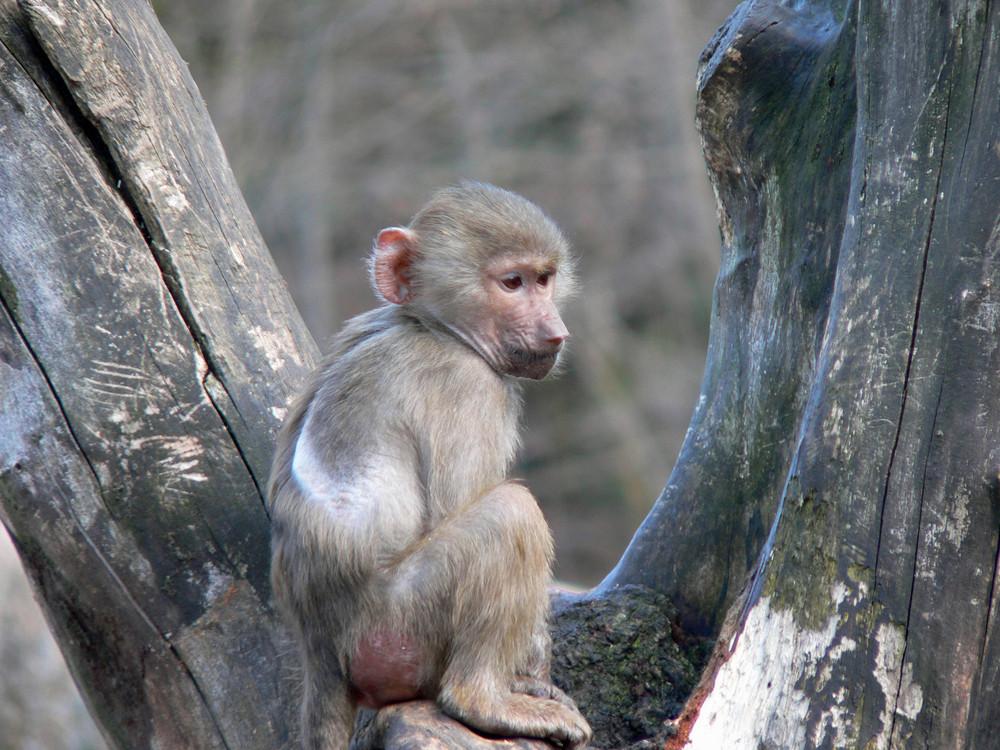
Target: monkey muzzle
535	365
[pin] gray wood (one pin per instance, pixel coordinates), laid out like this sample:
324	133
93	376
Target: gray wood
849	402
150	348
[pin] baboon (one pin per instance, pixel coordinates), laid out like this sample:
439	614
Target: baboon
409	563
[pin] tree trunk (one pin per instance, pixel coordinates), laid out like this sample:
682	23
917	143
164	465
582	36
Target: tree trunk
852	381
147	350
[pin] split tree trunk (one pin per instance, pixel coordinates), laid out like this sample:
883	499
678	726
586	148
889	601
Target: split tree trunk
148	347
852	394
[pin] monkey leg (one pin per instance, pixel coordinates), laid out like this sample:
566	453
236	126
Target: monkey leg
328	704
534	679
477	590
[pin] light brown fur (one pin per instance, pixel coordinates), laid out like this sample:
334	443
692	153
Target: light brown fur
409	563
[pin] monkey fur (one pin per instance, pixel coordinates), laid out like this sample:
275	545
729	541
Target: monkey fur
407	561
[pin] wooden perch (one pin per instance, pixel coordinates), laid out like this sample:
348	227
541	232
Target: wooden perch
149	347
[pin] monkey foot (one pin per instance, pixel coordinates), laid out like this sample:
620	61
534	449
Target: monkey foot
419	725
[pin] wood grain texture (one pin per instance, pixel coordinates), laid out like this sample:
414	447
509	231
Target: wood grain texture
853	150
150	349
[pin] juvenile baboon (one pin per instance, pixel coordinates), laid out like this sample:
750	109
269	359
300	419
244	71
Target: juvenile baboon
409	563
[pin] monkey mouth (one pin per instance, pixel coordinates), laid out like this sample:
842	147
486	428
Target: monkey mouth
524	363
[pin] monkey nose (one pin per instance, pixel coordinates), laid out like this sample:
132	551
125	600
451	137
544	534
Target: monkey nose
556	335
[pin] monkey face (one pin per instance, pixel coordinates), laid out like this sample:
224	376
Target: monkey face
525	332
482	262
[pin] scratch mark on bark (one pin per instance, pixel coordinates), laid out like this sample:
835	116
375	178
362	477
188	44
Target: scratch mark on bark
120	181
915	329
989	607
916	562
906	384
93	472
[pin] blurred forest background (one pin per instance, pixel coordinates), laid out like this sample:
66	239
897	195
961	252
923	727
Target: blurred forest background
340	118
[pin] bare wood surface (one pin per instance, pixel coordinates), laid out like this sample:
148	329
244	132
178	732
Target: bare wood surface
149	350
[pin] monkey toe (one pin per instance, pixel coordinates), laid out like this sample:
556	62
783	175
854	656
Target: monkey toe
519	715
542	689
574	731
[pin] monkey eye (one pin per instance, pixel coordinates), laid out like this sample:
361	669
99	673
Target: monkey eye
512	281
543	279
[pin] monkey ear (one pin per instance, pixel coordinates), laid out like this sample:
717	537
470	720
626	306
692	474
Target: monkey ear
392	266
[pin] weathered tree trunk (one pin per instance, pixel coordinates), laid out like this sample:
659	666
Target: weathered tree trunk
851	394
778	144
147	350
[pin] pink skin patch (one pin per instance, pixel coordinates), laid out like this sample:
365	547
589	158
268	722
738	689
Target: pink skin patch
385	669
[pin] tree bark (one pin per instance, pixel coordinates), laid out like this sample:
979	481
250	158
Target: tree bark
850	392
777	144
147	350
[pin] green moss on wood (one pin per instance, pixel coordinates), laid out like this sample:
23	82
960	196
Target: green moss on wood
806	561
622	659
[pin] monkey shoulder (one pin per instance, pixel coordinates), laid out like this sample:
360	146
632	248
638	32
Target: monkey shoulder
394	402
347	456
420	368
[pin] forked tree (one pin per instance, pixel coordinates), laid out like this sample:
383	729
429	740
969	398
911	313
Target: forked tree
834	513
